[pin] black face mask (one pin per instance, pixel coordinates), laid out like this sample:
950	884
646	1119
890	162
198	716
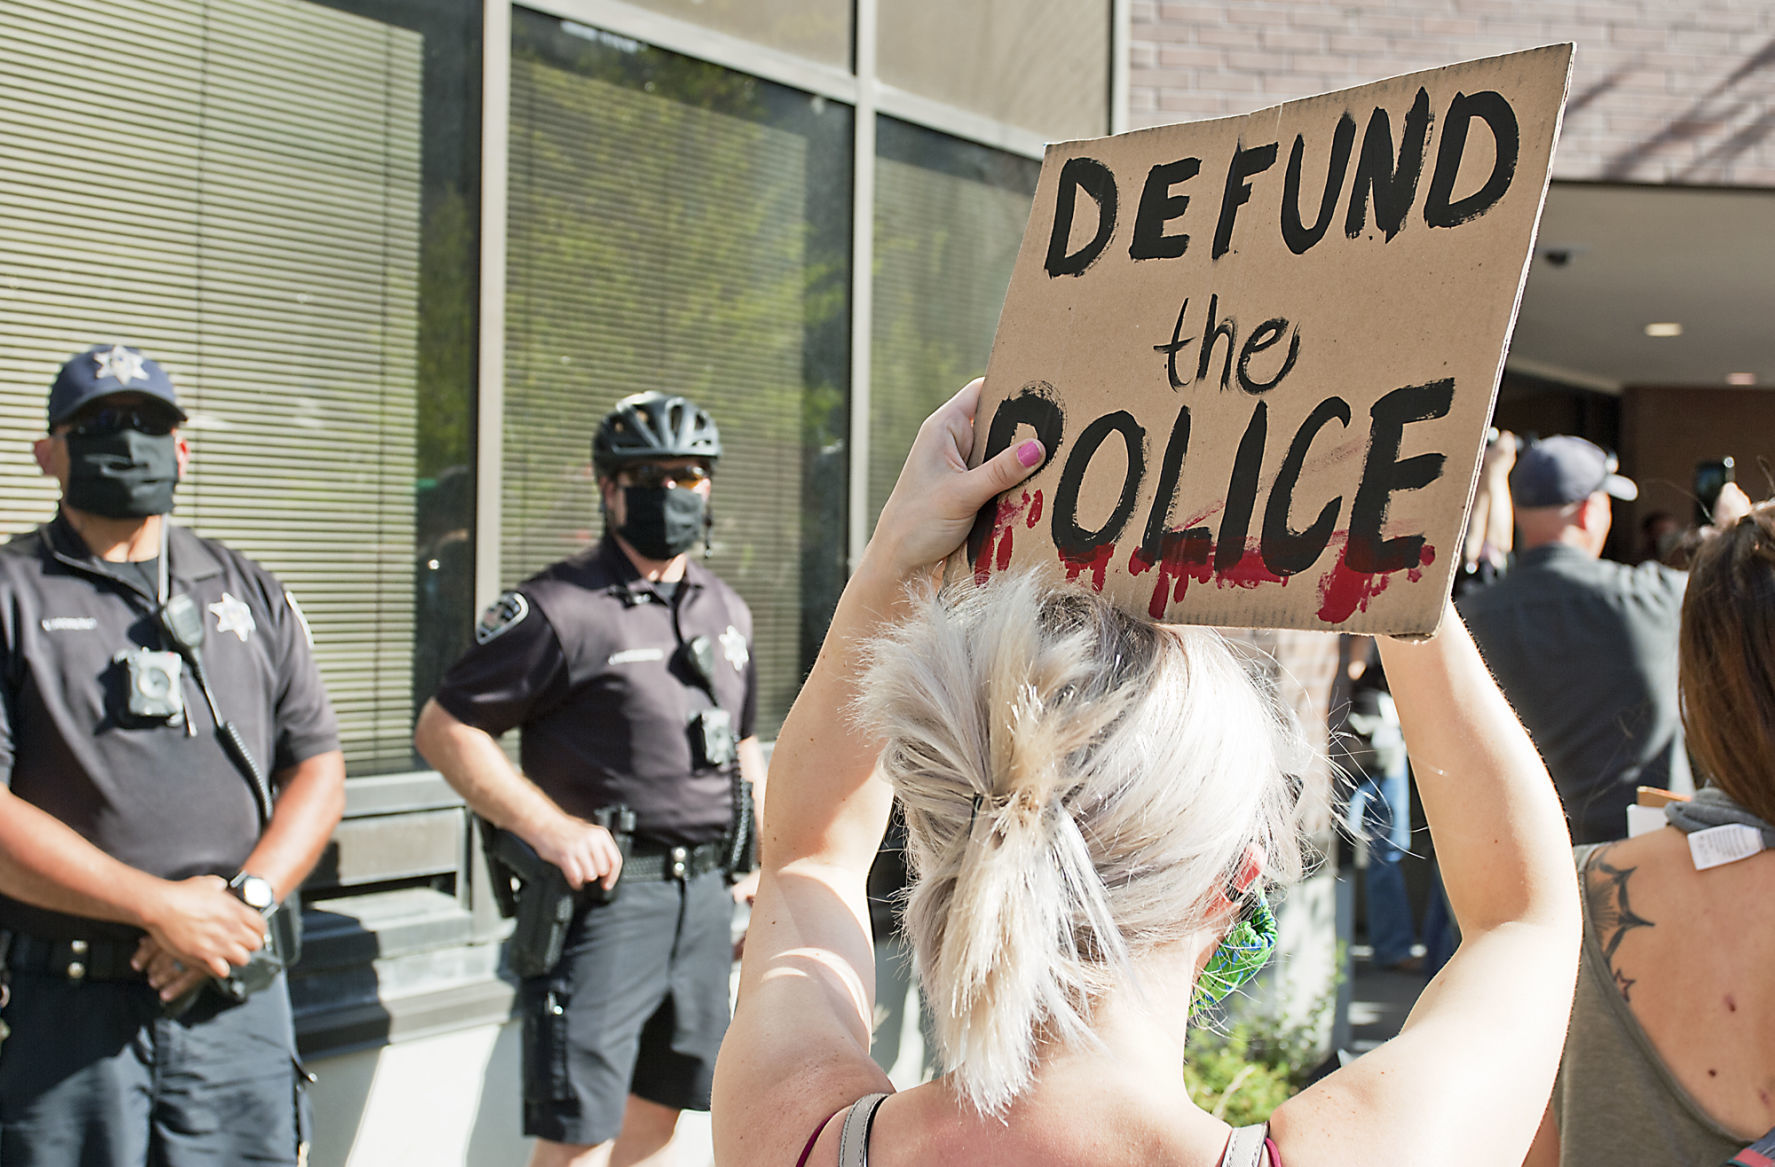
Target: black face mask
123	475
661	522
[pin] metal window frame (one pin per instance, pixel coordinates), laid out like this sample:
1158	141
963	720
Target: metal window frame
859	87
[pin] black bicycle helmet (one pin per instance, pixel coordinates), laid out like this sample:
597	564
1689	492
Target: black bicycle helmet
651	426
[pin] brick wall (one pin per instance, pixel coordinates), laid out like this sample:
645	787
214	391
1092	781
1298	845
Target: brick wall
1664	432
1661	92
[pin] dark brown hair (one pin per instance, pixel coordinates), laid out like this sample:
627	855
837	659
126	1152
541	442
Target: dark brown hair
1728	660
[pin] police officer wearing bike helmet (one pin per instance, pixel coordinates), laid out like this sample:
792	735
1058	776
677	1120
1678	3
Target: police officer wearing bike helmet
629	669
169	771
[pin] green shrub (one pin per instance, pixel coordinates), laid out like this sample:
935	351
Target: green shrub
1255	1060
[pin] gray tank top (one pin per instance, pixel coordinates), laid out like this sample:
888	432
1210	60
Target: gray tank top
1615	1100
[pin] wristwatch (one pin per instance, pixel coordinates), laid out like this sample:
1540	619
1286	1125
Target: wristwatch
254	892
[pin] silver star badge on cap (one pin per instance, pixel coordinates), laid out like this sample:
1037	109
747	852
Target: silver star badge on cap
120	365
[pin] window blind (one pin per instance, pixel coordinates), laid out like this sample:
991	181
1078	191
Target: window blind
234	186
949	218
659	238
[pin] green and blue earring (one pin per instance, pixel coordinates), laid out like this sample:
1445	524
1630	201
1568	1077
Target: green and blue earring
1245	950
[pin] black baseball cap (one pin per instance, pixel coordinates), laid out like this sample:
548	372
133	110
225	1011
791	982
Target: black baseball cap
103	370
1561	470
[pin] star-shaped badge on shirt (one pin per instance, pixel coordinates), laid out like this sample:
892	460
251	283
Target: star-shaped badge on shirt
733	647
234	616
120	365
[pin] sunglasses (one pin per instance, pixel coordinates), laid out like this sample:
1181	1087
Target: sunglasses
111	419
651	475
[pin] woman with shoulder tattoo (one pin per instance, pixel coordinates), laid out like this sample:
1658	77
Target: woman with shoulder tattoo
1670	1056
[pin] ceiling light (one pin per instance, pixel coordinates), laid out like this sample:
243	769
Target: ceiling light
1741	378
1664	328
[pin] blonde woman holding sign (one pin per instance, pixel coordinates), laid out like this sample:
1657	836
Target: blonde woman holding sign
1095	806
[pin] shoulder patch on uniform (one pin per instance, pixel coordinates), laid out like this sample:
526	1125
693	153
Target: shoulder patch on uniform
501	615
301	616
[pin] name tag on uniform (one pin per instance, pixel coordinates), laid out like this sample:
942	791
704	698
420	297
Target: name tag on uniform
1724	844
635	656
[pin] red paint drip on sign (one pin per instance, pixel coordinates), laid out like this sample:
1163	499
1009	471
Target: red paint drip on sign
1095	561
1343	592
1250	570
996	550
1035	510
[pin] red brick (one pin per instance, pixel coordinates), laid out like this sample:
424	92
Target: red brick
1649	38
1329	64
1257	62
1251	16
1299	85
1190	57
1233	83
1449	26
1191	101
1357	45
1385	22
1281	38
1232	38
1325	16
1192	13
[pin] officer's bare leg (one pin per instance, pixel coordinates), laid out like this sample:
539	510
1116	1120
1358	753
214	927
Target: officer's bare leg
646	1139
647	1129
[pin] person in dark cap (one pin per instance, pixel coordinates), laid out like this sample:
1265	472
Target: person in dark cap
629	668
169	771
1585	648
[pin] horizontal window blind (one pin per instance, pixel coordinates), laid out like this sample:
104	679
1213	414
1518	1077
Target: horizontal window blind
659	239
234	186
949	218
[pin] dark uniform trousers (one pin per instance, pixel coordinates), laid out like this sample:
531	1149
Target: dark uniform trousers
94	1075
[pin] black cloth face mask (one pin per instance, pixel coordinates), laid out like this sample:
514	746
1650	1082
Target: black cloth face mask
122	475
661	522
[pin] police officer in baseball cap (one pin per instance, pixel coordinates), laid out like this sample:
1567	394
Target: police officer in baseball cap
169	772
630	669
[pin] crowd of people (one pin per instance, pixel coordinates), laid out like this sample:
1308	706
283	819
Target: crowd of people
1097	812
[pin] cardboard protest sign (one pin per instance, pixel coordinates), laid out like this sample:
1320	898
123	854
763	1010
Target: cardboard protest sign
1262	351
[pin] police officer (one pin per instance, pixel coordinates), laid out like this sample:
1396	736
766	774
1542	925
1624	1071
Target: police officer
630	669
141	860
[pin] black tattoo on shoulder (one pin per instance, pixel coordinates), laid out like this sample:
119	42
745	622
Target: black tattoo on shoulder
1605	894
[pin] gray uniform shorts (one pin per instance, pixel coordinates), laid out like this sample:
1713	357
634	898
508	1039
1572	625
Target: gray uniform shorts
638	1005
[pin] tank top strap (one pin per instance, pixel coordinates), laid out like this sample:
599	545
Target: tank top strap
1246	1146
853	1138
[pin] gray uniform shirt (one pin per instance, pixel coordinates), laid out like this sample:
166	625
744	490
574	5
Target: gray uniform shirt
1585	649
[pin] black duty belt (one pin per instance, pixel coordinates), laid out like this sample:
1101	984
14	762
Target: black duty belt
655	861
95	959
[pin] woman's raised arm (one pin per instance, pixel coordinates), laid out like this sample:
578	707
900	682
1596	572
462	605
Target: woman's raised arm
1467	1078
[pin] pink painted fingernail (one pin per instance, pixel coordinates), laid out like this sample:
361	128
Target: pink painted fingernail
1029	453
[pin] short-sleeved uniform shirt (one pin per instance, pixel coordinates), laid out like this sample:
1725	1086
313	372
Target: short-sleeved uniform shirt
160	796
1586	649
591	660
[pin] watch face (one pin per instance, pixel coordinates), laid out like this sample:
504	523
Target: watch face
254	892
